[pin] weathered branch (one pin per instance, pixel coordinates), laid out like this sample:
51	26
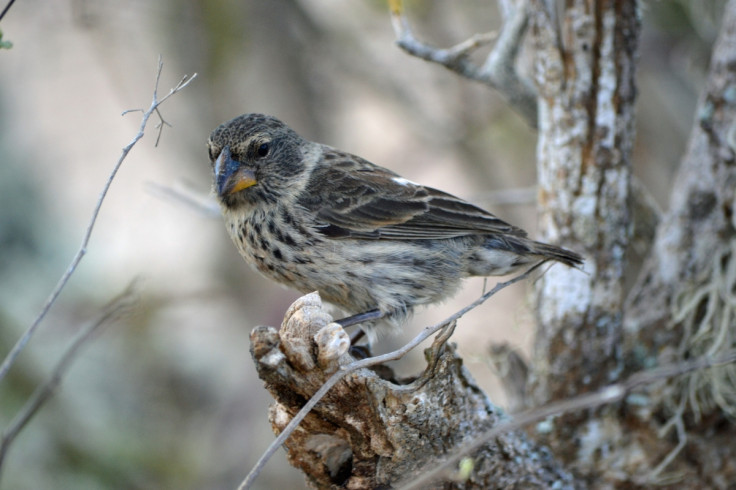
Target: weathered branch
499	70
370	430
700	220
644	380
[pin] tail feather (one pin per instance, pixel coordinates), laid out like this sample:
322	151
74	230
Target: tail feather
507	254
559	254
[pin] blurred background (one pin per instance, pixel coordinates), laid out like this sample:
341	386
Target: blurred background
168	397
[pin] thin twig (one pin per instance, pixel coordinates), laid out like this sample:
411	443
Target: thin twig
371	361
609	394
160	126
111	312
155	103
5	10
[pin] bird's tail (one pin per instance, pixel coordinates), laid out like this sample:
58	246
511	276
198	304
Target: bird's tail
559	254
501	255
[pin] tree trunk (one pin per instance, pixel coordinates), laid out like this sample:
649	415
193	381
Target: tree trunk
585	74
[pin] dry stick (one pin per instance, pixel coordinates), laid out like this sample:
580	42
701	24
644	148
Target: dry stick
155	103
5	10
371	361
608	394
454	58
112	311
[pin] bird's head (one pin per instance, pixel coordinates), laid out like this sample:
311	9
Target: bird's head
256	159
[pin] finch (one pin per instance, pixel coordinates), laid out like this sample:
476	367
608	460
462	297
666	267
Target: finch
319	219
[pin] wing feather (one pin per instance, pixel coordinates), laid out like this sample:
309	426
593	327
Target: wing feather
353	198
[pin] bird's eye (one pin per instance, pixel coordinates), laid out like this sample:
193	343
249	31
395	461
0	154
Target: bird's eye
263	150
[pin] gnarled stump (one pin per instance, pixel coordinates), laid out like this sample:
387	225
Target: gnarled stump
369	432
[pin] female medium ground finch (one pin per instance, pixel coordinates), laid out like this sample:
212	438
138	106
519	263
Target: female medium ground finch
318	219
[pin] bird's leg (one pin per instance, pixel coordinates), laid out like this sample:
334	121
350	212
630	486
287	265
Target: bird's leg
360	318
356	336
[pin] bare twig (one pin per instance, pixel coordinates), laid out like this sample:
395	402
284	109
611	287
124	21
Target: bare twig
608	394
5	10
498	71
364	363
111	312
155	103
162	122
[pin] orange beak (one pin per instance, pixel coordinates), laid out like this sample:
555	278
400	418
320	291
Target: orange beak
230	175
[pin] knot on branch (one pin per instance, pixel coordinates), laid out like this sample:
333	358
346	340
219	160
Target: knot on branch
308	339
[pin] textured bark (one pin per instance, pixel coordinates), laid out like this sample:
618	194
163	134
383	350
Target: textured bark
585	75
370	432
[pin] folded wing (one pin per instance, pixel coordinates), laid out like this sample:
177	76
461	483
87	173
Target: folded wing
353	198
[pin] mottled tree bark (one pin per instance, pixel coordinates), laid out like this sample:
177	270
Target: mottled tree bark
372	432
584	69
585	73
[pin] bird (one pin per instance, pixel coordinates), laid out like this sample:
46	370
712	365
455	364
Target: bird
369	241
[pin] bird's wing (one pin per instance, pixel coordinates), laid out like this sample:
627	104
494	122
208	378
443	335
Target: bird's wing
353	198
